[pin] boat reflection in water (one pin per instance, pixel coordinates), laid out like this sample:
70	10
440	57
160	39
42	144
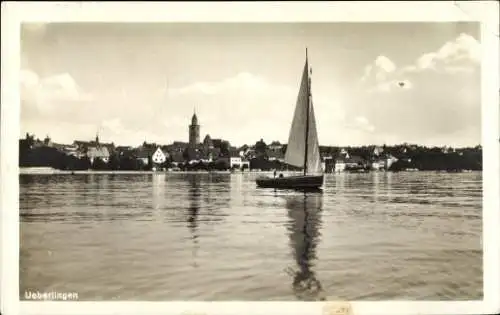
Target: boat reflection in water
304	213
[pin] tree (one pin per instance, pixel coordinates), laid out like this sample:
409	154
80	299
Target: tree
114	162
139	164
235	167
149	166
127	162
221	165
84	163
260	163
261	147
185	154
99	164
24	152
224	148
167	164
201	166
210	166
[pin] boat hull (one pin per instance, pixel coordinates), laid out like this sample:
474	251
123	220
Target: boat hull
291	182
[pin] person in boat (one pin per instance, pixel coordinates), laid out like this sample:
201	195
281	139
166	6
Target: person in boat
274	174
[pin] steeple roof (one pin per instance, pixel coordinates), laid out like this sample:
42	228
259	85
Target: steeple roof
194	120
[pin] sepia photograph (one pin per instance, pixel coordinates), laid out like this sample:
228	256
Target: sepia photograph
251	161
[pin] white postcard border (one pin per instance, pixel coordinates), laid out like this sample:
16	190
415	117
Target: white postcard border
14	13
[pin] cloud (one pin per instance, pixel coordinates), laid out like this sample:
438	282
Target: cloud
110	130
363	123
382	75
121	133
358	124
58	100
246	107
435	97
52	96
380	69
113	125
460	55
242	82
246	104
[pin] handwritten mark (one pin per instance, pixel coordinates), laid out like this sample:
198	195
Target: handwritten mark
337	308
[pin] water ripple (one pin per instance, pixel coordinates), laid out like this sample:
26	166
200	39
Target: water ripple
401	236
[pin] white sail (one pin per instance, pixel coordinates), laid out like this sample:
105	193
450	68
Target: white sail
296	140
313	155
296	147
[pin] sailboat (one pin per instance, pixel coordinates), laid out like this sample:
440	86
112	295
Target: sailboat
303	145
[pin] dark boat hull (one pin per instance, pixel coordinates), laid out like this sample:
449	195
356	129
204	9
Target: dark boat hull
291	182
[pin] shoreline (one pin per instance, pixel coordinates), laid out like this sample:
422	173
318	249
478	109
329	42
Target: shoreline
52	171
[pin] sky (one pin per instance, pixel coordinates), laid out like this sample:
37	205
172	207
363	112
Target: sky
135	82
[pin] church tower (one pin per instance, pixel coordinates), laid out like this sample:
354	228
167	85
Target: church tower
194	132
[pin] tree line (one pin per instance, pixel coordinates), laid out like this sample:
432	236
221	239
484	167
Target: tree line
418	157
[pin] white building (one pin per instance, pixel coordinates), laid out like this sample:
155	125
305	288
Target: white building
98	152
235	161
72	150
377	151
340	165
378	165
344	154
389	161
159	157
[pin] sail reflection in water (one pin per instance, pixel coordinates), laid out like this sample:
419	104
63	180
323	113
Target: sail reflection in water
304	213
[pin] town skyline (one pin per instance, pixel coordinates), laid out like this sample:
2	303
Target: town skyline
149	78
268	141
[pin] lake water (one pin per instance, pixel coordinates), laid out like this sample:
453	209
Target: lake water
200	236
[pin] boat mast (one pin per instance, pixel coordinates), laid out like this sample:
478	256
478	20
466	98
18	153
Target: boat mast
307	116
